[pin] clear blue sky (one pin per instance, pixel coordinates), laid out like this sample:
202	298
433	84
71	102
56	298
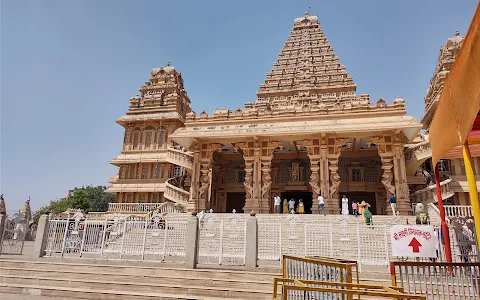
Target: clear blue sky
68	68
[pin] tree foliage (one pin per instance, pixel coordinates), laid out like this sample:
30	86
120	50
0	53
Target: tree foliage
86	198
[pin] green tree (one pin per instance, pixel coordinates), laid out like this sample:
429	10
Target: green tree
79	200
99	200
55	207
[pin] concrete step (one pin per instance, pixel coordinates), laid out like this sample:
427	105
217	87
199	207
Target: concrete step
132	269
138	286
60	292
251	283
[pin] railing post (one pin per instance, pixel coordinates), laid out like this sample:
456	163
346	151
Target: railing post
191	242
41	237
251	241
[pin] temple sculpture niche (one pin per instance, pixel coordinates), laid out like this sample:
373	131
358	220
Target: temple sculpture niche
308	133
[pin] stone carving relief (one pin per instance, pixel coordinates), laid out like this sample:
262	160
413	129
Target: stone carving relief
267	183
314	182
204	184
335	184
387	176
249	190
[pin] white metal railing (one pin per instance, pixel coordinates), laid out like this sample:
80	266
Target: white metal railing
175	194
428	194
180	158
222	238
458	211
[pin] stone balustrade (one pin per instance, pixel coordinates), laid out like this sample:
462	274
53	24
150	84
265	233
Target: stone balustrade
176	194
423	149
180	158
428	194
458	211
132	207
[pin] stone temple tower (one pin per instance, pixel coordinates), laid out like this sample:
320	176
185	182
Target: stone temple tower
146	169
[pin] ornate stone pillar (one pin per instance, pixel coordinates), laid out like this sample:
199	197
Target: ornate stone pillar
324	172
315	181
332	206
387	176
403	200
195	181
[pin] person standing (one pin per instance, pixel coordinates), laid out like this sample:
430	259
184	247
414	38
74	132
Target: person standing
355	208
285	206
276	204
291	205
301	208
344	205
393	204
321	205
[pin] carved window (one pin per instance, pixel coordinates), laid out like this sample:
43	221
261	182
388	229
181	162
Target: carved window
444	165
144	171
148	140
155	198
129	198
141	198
161	137
356	175
136	140
177	171
131	172
157	171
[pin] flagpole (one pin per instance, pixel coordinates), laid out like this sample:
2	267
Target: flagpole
444	227
472	189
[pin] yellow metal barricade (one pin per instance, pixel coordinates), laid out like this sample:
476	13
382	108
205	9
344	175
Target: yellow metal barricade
319	269
310	289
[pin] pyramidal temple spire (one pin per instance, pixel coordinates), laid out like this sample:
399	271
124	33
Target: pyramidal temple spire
307	63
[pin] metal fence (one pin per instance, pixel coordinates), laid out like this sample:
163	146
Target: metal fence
438	280
155	238
222	238
13	236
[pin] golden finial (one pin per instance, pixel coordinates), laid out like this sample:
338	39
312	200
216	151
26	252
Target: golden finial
168	64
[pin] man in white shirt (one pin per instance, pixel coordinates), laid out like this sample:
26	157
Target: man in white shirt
276	204
291	205
321	205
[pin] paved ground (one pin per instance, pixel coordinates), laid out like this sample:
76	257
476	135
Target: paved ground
28	297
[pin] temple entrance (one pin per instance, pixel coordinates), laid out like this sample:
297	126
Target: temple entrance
359	197
305	196
235	201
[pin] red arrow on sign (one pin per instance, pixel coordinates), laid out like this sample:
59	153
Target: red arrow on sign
415	244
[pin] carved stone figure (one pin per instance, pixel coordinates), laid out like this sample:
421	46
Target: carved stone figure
267	183
314	183
335	180
248	185
387	178
204	185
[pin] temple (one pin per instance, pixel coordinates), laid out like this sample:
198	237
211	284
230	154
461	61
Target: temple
308	133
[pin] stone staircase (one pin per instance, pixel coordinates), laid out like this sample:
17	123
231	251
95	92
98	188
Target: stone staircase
428	194
184	160
90	279
416	155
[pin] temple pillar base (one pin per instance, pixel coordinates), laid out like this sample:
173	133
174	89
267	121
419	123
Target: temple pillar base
259	206
332	206
403	207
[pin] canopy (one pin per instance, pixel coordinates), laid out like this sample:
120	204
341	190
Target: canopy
459	102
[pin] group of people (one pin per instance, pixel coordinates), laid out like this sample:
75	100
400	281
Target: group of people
290	206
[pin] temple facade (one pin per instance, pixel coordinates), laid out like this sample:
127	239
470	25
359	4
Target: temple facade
307	134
